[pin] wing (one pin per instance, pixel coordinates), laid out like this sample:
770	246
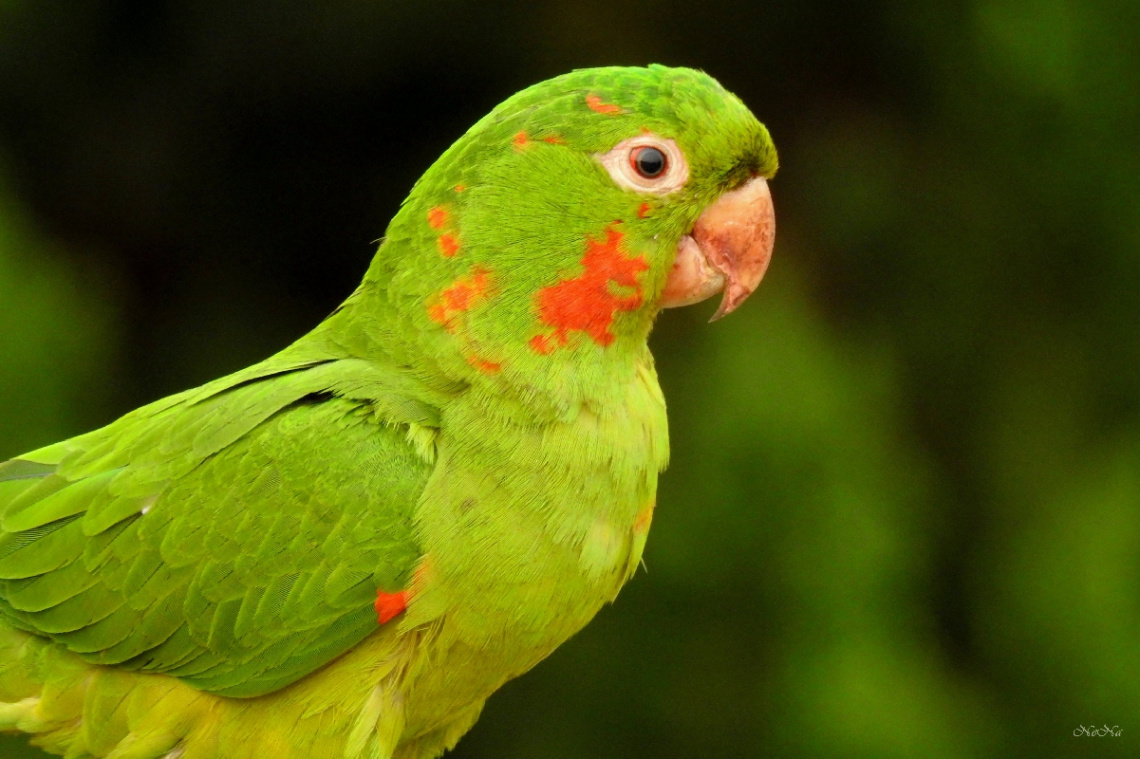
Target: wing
233	536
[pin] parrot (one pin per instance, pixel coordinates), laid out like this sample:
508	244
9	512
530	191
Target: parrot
342	551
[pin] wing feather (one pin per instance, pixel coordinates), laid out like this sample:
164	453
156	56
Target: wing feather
234	536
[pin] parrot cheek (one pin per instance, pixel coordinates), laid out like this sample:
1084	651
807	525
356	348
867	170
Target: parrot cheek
729	249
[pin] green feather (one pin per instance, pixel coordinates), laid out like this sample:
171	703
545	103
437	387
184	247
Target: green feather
44	592
32	510
19	469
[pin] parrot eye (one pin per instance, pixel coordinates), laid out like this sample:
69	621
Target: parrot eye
648	161
646	164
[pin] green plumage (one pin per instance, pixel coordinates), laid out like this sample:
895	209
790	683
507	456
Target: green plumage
238	593
202	576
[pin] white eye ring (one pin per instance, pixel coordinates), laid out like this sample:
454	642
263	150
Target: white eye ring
618	162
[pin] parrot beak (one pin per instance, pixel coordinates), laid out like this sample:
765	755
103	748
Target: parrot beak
728	250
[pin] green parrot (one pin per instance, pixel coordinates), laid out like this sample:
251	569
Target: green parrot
342	551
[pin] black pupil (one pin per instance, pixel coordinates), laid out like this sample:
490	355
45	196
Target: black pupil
649	162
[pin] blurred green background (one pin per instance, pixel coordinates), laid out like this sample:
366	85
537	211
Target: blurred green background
903	513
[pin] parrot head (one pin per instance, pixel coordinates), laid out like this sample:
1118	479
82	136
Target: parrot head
544	242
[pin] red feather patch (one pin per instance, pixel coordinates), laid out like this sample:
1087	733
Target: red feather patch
448	245
586	303
644	517
455	300
388	605
437	217
485	366
598	106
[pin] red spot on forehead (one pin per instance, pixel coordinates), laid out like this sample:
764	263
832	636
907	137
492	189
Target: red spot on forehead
586	303
388	605
437	217
461	296
520	140
597	105
448	245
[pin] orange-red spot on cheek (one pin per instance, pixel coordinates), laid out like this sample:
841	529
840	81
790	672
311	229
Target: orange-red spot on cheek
448	245
437	217
520	140
388	605
554	140
586	303
598	106
455	300
643	210
460	188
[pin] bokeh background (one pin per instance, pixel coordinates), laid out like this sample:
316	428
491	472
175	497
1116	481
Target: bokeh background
903	513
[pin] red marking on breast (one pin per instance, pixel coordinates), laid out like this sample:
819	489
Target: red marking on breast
597	105
437	217
388	605
448	245
643	210
484	366
520	140
457	299
587	303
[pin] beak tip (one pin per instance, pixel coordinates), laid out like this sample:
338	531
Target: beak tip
722	310
735	293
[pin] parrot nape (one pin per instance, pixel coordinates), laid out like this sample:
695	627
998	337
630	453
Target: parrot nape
342	551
